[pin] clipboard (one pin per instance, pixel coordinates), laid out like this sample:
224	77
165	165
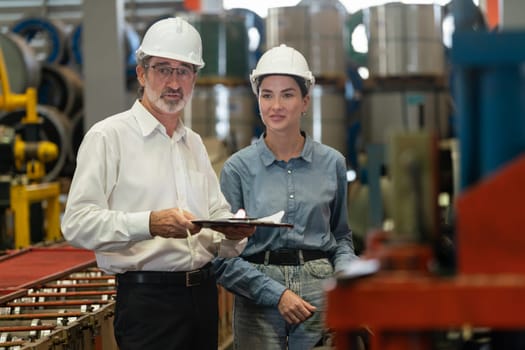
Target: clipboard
240	222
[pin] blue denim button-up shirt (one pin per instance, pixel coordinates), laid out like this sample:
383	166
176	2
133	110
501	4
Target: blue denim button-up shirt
312	191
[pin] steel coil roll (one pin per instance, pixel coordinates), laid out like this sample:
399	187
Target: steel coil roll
409	109
326	120
48	37
405	40
60	87
75	45
224	112
225	47
315	28
23	68
256	33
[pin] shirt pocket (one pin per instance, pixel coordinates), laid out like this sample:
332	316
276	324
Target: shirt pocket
197	193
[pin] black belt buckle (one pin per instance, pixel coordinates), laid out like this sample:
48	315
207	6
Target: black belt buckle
193	278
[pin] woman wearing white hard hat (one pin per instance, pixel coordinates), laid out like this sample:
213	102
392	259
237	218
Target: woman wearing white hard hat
141	177
277	280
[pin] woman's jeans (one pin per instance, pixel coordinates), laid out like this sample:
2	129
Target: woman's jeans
260	327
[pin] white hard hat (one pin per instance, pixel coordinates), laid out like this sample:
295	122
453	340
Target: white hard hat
282	60
173	38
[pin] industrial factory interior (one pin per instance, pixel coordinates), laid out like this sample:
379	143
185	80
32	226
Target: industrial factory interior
425	100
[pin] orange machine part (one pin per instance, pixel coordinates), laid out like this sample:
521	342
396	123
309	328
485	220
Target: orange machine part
490	221
397	308
492	13
192	5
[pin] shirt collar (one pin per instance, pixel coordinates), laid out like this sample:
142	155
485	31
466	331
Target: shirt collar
148	123
268	157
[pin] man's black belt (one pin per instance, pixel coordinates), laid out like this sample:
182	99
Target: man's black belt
183	279
286	256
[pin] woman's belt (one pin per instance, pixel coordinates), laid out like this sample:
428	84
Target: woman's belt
286	256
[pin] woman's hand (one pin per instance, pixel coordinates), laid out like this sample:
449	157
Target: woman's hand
235	232
293	308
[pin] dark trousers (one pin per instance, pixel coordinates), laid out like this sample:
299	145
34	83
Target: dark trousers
158	316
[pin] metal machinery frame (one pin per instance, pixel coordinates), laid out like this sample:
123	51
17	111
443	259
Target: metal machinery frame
400	306
55	298
21	198
31	153
61	301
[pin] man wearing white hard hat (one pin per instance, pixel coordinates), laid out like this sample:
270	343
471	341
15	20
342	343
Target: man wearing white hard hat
141	178
278	279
